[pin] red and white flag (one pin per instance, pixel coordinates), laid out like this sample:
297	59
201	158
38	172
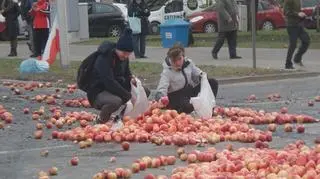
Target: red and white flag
52	47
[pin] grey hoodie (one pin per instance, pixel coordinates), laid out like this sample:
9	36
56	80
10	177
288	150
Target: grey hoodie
172	80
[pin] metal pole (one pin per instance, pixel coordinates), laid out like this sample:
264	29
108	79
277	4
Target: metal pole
318	18
253	32
63	33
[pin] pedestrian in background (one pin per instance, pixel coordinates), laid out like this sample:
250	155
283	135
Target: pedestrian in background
295	29
227	27
11	11
26	6
138	8
40	12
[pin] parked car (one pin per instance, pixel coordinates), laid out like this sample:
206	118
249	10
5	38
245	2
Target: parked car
105	20
269	17
308	7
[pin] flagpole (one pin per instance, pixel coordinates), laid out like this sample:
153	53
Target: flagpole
63	33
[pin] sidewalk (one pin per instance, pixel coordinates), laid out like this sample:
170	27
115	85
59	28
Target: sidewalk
266	58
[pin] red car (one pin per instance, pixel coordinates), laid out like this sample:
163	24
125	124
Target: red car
269	17
309	7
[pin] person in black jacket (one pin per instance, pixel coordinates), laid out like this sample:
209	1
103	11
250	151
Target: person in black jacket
138	8
111	76
11	11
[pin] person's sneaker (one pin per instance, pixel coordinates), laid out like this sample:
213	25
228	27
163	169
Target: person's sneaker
117	125
289	68
299	63
214	55
143	56
236	57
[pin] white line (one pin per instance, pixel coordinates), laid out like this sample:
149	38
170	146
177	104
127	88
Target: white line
35	149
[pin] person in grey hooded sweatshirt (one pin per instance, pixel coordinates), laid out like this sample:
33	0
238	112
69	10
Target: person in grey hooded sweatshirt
180	80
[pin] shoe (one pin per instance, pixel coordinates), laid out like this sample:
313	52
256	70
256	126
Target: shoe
117	125
236	57
214	55
143	56
289	68
299	63
33	55
12	55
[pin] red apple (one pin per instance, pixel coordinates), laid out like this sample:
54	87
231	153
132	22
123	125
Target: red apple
300	128
74	161
26	110
150	176
164	100
310	103
135	168
53	171
38	134
112	159
192	158
272	127
125	146
284	110
171	160
288	128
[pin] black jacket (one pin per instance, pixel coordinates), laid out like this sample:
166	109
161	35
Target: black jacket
110	74
11	13
142	11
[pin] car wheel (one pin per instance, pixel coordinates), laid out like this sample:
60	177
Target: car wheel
268	26
114	31
155	28
210	27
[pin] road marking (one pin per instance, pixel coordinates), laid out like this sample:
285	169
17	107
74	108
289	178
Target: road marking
34	149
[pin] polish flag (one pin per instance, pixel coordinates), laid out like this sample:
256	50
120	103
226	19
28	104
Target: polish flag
52	47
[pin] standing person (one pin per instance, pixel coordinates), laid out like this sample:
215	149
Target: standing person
227	27
138	8
110	86
26	6
295	29
40	12
11	11
180	80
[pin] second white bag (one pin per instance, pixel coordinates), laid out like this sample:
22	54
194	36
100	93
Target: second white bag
141	101
205	101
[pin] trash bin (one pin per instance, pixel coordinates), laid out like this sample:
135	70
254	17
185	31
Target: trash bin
173	31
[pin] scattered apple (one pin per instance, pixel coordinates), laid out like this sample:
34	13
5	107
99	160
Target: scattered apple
74	161
53	171
125	146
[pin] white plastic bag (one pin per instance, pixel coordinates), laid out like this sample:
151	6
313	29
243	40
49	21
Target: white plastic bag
2	18
205	101
140	99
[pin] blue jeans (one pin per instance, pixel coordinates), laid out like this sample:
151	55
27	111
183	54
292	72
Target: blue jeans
294	33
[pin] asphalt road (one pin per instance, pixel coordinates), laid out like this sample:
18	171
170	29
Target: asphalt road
20	153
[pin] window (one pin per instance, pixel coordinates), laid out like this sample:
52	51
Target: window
309	3
266	5
104	8
174	6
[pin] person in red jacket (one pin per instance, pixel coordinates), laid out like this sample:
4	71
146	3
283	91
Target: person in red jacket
40	12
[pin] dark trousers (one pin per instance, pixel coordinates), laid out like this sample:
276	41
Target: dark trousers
232	42
40	40
180	100
294	33
139	45
108	103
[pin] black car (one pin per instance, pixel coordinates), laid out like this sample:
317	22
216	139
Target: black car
105	20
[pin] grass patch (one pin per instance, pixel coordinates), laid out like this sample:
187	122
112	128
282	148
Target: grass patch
265	39
148	72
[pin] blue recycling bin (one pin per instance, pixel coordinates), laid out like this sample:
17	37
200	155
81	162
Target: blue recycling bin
174	31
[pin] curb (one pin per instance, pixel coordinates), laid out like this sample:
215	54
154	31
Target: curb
270	77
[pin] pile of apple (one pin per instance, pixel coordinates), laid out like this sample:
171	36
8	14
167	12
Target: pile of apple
294	161
251	116
163	127
80	102
27	86
5	116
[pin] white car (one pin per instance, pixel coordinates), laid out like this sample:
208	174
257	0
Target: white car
124	10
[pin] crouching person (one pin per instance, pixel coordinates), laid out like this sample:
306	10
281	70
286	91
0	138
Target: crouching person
180	80
110	85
